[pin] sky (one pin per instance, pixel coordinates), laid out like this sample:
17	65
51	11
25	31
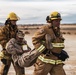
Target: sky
36	11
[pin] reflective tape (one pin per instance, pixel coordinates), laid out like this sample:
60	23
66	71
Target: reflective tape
24	47
58	44
49	60
41	48
2	56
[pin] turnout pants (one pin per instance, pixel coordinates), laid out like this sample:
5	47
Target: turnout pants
42	68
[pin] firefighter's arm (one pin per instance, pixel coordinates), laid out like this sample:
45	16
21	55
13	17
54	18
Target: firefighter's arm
37	39
48	42
3	44
28	49
3	37
12	49
27	46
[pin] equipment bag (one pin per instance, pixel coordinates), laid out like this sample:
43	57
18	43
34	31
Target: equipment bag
62	56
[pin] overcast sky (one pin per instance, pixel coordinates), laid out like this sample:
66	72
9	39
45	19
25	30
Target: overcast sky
35	11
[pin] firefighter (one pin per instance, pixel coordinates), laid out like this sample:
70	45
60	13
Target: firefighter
48	62
15	48
6	33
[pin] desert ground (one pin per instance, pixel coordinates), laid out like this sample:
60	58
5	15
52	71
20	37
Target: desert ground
69	33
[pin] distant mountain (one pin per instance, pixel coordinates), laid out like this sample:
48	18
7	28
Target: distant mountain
1	24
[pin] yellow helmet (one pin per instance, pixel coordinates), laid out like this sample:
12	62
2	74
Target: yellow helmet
55	15
13	16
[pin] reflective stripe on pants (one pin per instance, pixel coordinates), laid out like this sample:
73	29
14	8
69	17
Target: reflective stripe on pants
49	60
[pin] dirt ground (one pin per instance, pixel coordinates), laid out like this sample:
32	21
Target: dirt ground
70	47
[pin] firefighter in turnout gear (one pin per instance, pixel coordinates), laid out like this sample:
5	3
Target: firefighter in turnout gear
6	33
20	57
15	48
49	39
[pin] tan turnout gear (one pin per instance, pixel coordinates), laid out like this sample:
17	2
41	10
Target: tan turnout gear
28	59
42	68
15	49
46	61
24	59
4	55
58	42
50	61
6	33
12	16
